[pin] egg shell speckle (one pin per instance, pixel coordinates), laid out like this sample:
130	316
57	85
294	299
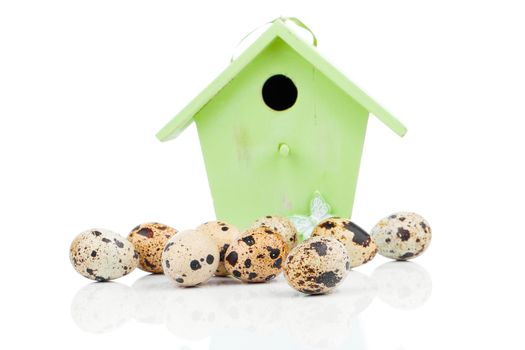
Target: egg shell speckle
359	245
102	255
402	236
280	224
223	234
190	257
257	255
317	265
149	240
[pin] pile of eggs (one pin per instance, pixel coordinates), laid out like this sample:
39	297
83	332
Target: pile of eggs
259	254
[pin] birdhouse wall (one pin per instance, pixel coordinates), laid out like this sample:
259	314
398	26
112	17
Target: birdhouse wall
240	137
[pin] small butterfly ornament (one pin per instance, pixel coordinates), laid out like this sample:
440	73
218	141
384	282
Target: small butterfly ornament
319	210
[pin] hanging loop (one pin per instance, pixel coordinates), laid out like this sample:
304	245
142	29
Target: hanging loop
294	20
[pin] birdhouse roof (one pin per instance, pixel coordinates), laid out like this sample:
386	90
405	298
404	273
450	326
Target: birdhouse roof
277	30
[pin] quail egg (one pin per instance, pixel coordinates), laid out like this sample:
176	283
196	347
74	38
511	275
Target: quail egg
317	265
190	258
402	236
102	255
223	234
256	255
149	241
282	225
360	247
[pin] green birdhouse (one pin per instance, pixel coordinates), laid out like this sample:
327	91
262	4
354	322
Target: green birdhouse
278	125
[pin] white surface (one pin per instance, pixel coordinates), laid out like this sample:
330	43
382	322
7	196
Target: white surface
227	312
84	86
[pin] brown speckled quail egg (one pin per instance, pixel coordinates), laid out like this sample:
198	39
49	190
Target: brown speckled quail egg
190	258
256	255
149	241
317	265
360	247
223	234
102	255
402	235
282	225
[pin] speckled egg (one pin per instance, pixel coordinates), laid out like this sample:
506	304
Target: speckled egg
149	241
317	265
190	258
223	234
102	255
402	235
256	255
282	225
360	247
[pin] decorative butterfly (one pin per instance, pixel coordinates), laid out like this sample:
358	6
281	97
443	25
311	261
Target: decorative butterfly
319	210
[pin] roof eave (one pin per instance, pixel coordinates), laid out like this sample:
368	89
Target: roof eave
316	59
184	118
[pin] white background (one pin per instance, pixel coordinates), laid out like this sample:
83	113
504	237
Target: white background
85	85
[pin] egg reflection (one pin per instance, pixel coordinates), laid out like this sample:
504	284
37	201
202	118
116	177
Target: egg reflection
102	307
224	308
402	284
326	321
152	292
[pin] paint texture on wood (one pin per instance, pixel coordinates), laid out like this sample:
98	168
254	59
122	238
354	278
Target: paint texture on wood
267	154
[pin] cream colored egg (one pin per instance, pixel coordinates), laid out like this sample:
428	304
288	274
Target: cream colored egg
257	255
282	225
223	234
190	257
149	240
359	245
402	235
317	265
102	255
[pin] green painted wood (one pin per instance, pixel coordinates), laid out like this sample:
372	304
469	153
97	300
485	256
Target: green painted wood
277	30
241	139
264	162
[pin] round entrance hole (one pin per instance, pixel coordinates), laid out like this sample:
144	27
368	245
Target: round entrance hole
279	92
